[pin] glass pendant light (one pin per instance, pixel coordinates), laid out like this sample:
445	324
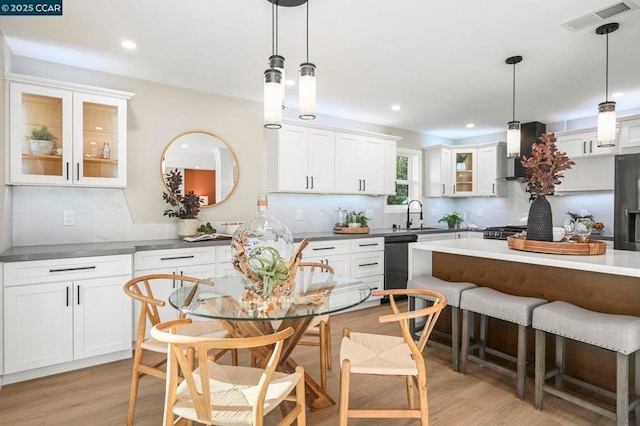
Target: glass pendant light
276	61
307	90
607	109
273	85
513	127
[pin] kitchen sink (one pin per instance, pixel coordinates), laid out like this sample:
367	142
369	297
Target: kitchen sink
426	228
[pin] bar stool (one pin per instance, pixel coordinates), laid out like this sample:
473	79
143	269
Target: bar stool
491	303
618	333
452	291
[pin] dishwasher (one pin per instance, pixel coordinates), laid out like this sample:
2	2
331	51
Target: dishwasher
396	260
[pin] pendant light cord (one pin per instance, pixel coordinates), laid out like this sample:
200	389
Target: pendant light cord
308	30
606	74
273	37
514	93
276	28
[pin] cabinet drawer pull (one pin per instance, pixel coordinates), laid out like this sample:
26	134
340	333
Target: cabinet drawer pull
368	245
322	248
78	289
359	184
311	182
78	171
493	188
590	147
368	264
177	257
307	178
364	184
79	268
67	295
454	189
67	170
584	147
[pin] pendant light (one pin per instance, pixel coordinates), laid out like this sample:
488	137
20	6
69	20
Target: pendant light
607	109
276	61
273	83
307	87
513	127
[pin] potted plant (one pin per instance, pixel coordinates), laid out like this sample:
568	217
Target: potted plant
357	220
543	172
184	207
453	220
41	141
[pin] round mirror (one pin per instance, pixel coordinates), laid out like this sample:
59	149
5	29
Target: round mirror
208	165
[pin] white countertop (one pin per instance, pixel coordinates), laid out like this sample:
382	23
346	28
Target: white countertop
617	262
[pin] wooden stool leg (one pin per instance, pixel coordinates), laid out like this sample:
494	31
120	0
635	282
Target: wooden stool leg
540	370
323	355
133	392
521	369
455	338
560	362
483	335
345	372
410	393
465	341
622	389
328	329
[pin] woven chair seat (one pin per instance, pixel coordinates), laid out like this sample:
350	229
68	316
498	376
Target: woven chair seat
196	328
234	391
378	354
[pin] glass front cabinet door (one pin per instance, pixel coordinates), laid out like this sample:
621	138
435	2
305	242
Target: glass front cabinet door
464	172
63	136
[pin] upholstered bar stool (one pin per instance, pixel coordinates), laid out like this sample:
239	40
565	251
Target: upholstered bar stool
491	303
452	291
618	333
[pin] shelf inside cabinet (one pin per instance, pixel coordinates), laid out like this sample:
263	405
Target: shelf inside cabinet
100	160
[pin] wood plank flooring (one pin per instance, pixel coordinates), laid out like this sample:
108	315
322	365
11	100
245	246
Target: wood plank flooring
100	395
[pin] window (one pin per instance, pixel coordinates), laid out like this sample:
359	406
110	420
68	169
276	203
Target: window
408	179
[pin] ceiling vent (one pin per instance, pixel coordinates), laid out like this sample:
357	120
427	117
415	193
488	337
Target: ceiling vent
596	17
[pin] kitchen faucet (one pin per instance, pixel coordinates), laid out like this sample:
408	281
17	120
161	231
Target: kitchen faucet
409	212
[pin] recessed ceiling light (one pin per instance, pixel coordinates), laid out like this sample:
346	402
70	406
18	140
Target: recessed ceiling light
395	107
617	94
128	44
470	125
290	82
185	146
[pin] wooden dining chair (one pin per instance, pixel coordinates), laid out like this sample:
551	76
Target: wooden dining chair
141	290
218	394
383	355
318	332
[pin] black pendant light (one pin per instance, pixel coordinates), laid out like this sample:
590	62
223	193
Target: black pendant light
607	109
273	82
307	89
513	127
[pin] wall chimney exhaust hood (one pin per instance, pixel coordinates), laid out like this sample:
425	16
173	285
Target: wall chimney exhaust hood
529	134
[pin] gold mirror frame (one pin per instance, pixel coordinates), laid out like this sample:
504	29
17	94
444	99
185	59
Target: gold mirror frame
210	153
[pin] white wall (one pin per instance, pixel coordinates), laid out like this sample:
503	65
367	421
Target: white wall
5	192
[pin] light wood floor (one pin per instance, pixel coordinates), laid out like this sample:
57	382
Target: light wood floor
99	395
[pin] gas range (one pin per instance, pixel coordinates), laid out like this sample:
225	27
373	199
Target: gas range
502	232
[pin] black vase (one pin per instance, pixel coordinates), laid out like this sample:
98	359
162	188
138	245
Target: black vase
539	223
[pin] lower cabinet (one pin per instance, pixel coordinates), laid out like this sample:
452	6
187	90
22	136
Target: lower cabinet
58	311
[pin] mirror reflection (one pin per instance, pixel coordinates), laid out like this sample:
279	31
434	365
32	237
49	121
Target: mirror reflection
207	163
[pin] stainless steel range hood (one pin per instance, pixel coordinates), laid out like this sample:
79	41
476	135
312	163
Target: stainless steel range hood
529	134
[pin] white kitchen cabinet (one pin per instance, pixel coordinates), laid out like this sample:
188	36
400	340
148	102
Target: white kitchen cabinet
589	174
335	253
583	143
303	160
84	120
223	261
437	172
390	160
198	262
367	263
436	236
630	133
65	310
492	165
360	165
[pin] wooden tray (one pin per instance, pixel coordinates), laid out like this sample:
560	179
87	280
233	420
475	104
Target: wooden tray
589	248
347	230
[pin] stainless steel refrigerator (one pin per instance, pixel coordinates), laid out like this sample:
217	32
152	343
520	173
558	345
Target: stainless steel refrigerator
626	220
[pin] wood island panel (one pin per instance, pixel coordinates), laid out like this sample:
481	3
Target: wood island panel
600	292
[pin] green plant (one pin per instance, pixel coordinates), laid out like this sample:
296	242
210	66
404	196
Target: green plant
270	267
453	219
357	217
576	216
207	229
182	206
42	134
545	166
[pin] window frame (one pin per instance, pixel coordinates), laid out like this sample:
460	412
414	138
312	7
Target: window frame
414	174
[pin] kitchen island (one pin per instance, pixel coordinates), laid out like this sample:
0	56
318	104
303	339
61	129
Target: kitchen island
605	283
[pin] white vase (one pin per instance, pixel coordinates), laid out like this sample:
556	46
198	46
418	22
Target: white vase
187	227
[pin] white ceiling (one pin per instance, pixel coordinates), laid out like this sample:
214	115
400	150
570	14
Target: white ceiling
442	61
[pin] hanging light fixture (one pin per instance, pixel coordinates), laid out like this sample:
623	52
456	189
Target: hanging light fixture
307	89
607	109
513	127
273	83
276	61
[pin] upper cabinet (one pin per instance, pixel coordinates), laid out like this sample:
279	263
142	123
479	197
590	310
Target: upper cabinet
305	160
630	133
85	140
583	143
314	160
465	171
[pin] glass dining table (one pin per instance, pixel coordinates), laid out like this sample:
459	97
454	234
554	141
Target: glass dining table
220	299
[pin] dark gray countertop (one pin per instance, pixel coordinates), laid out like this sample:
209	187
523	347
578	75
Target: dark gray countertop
62	251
